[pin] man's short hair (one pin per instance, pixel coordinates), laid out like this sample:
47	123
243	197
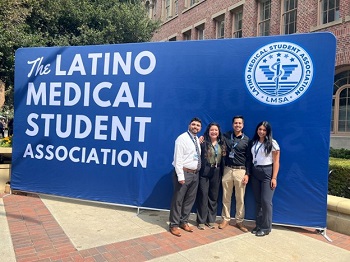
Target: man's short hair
237	116
196	119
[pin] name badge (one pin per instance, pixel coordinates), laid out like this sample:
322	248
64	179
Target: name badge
231	155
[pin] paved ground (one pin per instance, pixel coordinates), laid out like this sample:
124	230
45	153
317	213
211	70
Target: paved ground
44	228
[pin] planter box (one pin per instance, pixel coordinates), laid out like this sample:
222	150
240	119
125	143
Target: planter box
5	154
338	214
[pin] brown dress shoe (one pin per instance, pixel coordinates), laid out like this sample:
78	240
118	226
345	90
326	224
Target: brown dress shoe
186	227
223	224
175	231
241	227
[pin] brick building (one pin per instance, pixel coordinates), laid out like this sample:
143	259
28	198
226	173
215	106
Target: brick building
213	19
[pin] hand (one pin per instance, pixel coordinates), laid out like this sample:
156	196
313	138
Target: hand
245	179
273	183
182	182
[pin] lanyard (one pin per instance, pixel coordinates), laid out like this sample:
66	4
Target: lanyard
236	142
216	149
193	140
257	150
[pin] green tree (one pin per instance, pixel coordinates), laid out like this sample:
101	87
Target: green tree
29	23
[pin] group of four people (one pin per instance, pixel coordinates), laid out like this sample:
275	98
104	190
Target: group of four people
231	159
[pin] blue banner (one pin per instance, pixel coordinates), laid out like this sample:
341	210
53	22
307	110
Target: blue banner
99	122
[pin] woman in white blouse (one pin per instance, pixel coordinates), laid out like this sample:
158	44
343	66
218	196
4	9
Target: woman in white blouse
265	155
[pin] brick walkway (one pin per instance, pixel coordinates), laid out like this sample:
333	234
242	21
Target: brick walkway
36	236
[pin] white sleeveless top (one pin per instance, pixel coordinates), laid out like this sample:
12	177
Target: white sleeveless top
259	156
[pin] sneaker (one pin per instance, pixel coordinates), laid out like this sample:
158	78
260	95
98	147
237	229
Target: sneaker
255	229
210	225
201	226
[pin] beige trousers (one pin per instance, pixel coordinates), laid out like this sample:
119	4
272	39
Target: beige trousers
233	179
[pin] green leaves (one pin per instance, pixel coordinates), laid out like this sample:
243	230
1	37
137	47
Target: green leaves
339	179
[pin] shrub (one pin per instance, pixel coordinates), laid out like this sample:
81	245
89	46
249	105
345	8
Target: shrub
6	141
339	153
339	179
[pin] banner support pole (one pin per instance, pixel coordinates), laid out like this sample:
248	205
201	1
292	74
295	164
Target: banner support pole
323	232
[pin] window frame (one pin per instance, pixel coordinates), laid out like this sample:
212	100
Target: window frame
200	31
237	22
170	9
287	12
187	35
264	21
220	26
176	7
167	8
337	89
336	11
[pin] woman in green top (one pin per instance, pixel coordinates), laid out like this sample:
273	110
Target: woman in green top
213	151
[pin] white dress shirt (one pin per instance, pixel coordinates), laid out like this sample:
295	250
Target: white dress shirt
185	154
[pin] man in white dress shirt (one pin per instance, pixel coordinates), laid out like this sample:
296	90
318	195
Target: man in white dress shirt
185	178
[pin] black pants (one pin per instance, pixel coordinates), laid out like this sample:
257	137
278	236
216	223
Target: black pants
207	197
183	199
263	194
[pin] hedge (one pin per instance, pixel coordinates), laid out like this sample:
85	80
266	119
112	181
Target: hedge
339	153
339	179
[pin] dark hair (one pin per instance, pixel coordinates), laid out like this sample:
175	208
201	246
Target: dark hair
207	140
237	116
196	119
268	137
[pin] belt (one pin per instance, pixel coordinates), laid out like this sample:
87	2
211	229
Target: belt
193	171
236	167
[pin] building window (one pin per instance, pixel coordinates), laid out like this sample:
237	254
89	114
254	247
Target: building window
264	17
187	35
151	8
329	11
190	3
148	8
176	7
167	9
237	23
200	32
290	16
220	26
193	2
341	103
170	8
155	7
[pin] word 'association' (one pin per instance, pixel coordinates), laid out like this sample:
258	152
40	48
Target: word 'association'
88	97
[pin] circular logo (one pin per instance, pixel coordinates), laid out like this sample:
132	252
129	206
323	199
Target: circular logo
279	73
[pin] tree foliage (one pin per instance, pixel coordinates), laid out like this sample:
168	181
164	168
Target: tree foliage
29	23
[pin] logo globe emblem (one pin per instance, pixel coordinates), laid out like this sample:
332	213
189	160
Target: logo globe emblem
279	73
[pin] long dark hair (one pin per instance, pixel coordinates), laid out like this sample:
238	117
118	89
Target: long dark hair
268	138
207	140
